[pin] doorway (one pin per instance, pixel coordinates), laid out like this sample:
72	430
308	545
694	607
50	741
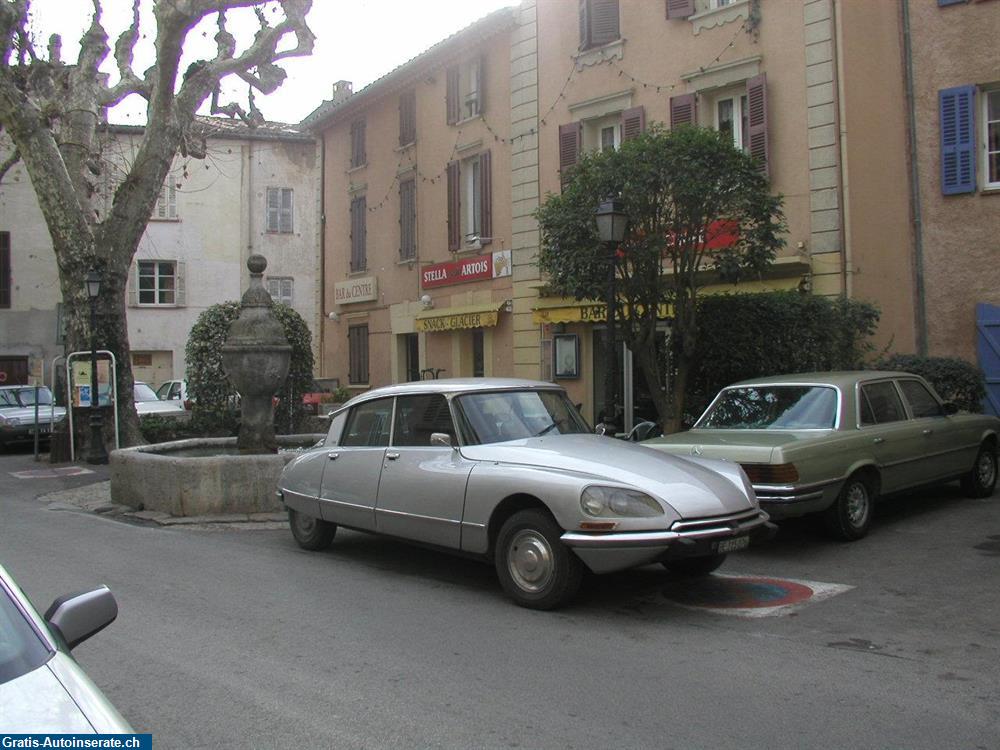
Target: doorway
635	403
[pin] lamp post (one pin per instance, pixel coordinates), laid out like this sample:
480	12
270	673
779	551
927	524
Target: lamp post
611	221
96	454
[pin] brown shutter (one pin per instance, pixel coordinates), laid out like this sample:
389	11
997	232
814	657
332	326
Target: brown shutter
603	22
633	122
680	8
454	208
486	198
407	220
359	210
452	95
757	120
584	13
683	110
407	118
570	141
481	84
5	276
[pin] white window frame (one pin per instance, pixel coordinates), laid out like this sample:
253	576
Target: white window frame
469	104
471	199
274	217
738	99
593	130
985	95
158	277
277	286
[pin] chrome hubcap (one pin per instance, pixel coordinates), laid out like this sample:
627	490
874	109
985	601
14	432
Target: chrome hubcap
857	504
986	469
305	524
529	560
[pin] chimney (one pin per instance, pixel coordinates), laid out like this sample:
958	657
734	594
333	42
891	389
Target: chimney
341	92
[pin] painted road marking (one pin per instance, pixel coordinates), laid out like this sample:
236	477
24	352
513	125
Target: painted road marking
65	471
750	595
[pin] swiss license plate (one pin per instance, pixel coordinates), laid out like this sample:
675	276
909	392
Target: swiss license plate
732	545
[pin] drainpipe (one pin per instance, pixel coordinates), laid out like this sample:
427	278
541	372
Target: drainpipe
918	227
322	253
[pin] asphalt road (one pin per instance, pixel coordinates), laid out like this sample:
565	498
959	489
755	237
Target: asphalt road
232	638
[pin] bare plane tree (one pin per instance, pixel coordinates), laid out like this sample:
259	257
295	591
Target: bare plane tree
50	114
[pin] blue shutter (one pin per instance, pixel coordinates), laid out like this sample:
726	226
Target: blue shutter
942	3
958	140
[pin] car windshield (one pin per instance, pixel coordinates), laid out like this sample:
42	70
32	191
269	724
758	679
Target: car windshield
143	392
515	415
21	650
25	396
773	407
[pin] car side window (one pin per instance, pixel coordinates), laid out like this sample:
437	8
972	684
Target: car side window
922	402
368	425
884	404
175	390
419	417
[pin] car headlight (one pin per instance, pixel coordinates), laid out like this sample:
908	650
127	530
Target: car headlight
604	502
6	421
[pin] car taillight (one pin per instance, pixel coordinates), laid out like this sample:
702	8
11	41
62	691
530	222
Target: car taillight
187	404
771	473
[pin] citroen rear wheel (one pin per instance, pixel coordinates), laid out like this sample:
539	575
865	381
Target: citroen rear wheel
311	533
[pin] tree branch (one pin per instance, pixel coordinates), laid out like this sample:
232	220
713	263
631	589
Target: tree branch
129	82
10	161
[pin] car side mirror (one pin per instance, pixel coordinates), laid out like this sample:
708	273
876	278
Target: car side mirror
441	438
76	617
950	408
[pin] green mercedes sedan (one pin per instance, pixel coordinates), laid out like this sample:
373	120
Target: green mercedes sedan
833	442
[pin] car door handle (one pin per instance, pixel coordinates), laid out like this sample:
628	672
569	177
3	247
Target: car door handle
392	455
332	456
878	441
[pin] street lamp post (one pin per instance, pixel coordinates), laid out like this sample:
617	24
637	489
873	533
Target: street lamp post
97	453
611	221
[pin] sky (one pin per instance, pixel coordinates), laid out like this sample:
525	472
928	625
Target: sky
356	40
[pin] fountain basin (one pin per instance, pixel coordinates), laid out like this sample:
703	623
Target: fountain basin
202	476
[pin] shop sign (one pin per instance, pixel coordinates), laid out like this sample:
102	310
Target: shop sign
721	233
457	321
356	290
493	266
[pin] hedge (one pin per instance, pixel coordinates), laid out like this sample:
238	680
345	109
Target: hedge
955	380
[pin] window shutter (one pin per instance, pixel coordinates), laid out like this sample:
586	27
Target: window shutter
407	220
452	95
180	284
958	140
683	110
584	13
570	140
603	22
358	229
486	197
481	85
680	8
273	210
633	122
407	118
942	3
285	224
757	120
454	208
133	285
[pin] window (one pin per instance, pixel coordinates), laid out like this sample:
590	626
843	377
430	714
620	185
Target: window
880	404
411	347
359	228
358	158
280	289
598	23
5	276
466	90
368	425
279	210
991	137
478	353
357	343
470	210
157	282
408	219
419	417
922	403
731	118
166	201
407	118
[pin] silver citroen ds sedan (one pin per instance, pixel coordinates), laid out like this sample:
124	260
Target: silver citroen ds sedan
507	470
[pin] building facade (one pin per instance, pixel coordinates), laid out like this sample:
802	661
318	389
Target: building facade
417	233
254	192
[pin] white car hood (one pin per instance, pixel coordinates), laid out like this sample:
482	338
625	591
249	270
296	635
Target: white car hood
693	489
26	414
38	702
170	408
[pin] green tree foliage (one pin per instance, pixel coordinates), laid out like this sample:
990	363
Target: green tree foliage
955	380
774	333
214	396
676	186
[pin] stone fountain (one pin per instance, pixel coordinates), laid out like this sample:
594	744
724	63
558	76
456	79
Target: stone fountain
210	476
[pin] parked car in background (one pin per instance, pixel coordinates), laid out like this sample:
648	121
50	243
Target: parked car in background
320	391
508	470
174	390
42	688
833	442
17	413
146	402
